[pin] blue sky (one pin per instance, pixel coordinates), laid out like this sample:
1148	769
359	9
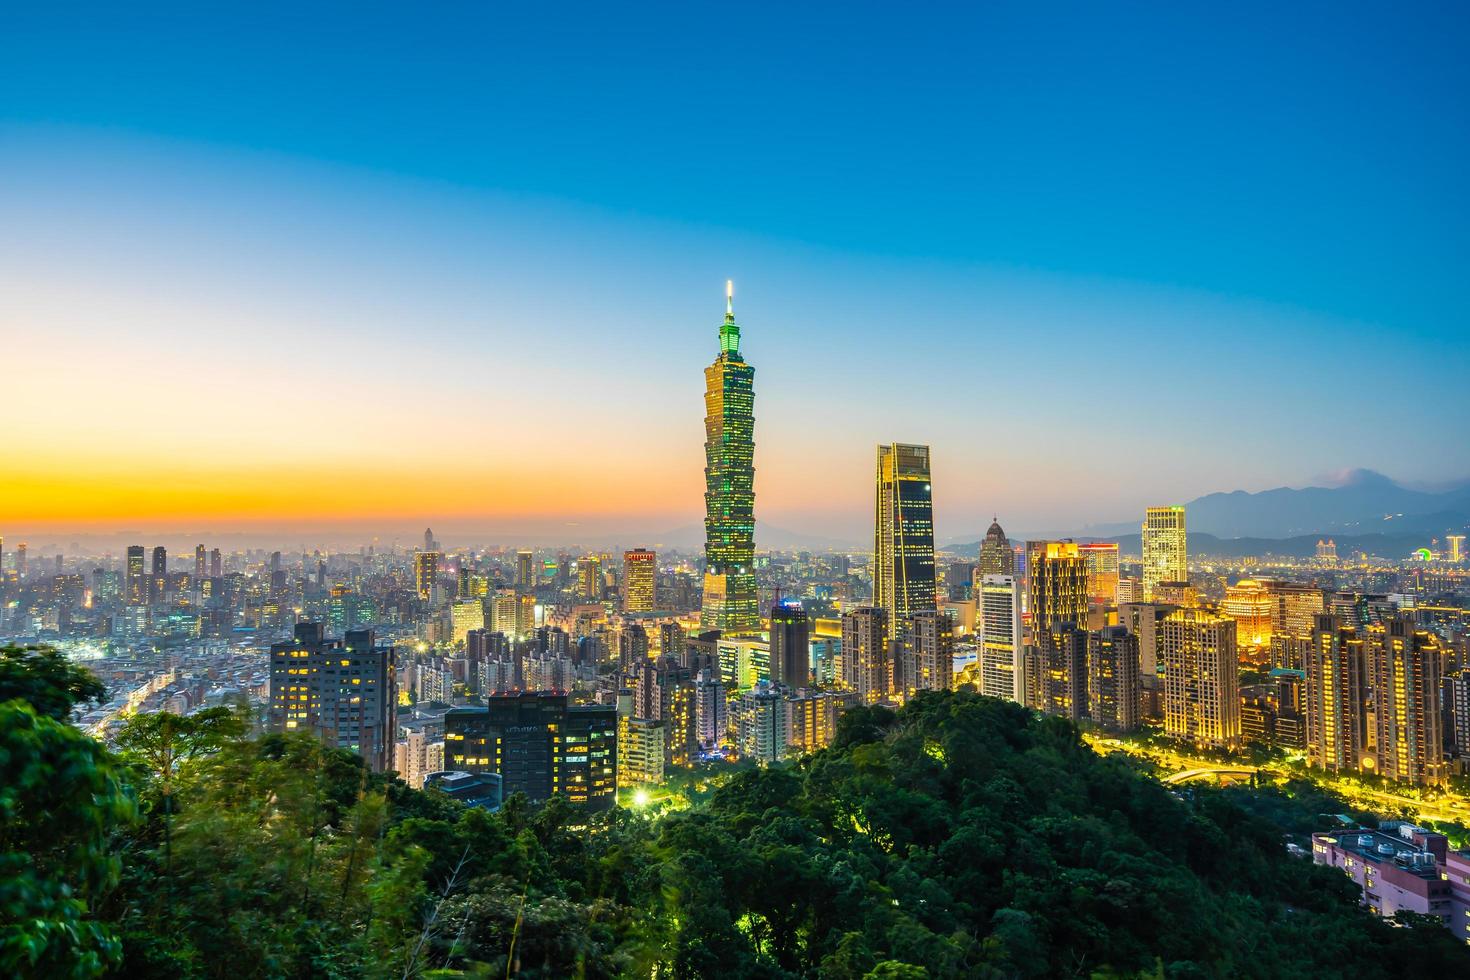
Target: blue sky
1098	255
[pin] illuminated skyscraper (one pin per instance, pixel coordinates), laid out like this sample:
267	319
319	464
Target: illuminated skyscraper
425	568
1251	605
729	486
1000	638
640	568
903	533
1056	575
1336	696
589	579
200	567
1101	559
1164	557
1201	678
135	586
525	571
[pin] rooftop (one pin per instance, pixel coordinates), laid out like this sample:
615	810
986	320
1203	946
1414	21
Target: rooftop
1376	847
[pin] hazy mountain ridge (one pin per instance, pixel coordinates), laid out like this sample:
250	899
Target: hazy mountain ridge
1367	503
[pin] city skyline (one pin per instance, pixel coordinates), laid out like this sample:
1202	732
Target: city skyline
233	276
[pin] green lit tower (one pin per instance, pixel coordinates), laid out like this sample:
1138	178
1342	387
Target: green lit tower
729	486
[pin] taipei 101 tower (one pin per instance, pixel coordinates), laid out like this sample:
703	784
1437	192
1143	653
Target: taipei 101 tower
729	486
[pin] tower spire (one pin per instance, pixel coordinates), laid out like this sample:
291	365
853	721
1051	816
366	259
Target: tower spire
729	331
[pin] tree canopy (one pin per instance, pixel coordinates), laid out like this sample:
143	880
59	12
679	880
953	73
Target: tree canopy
959	836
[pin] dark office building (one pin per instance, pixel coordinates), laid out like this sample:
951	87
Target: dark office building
791	635
343	691
539	745
158	584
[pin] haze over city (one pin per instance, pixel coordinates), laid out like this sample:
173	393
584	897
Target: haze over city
419	274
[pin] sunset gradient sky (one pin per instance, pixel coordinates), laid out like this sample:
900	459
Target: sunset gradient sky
460	264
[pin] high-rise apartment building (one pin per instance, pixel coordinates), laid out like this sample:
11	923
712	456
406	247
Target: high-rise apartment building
1101	561
632	648
1405	665
811	718
711	718
525	615
1294	608
465	616
759	721
640	572
1144	620
791	642
1056	671
1113	691
1336	696
903	533
1001	641
864	663
925	652
503	608
1201	678
539	745
1056	575
671	642
344	692
729	487
425	570
1164	556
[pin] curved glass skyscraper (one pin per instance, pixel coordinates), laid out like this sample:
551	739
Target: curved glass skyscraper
729	486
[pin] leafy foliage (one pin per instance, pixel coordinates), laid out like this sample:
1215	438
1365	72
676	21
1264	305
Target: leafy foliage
46	680
60	798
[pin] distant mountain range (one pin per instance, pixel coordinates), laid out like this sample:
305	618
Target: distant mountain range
1365	503
1305	546
1368	512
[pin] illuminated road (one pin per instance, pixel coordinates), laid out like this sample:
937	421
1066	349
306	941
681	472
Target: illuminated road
1183	768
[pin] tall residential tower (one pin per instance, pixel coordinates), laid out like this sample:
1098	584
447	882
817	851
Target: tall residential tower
729	486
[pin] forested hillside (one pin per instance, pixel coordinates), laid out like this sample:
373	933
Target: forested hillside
959	837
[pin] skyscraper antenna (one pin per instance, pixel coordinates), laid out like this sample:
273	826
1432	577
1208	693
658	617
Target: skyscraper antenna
729	297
